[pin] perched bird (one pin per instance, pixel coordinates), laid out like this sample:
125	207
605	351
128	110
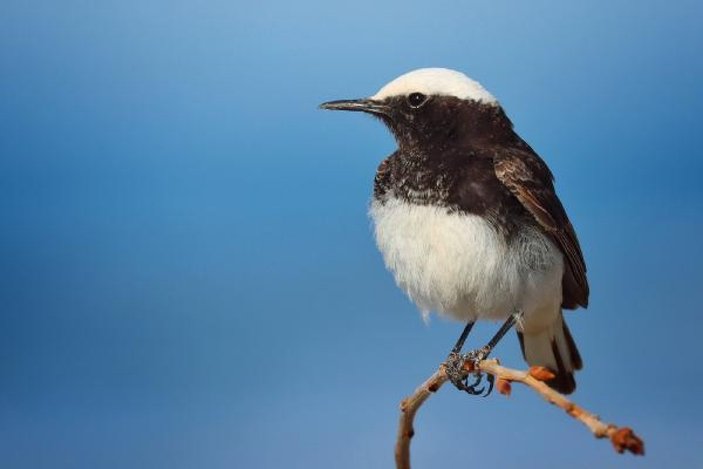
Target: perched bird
468	221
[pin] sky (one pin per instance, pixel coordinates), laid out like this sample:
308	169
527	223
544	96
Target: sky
188	276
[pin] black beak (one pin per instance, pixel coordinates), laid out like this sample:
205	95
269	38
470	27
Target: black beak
363	105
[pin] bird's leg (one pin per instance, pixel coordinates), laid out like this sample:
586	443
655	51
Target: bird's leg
475	356
484	351
454	365
462	338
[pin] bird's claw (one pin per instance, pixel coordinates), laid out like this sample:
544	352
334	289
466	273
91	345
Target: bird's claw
458	375
454	367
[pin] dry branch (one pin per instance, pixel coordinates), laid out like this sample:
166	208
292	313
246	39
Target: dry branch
622	438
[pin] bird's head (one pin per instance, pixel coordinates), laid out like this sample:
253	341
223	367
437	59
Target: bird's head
430	107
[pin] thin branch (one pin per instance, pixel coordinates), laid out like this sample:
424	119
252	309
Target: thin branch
622	438
408	408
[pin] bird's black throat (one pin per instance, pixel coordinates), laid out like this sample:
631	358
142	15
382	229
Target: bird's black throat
449	162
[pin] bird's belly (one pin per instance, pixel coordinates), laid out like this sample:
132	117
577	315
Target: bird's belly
460	265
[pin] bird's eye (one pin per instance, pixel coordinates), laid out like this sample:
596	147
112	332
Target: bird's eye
416	99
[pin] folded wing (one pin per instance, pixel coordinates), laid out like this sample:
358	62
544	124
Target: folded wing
530	180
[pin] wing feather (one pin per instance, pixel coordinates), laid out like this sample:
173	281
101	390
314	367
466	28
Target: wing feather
529	179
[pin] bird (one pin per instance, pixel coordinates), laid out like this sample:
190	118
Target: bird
467	219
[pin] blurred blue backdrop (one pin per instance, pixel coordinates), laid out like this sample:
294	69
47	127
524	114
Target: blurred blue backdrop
187	270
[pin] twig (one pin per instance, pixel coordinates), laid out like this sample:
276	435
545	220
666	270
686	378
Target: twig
408	408
622	438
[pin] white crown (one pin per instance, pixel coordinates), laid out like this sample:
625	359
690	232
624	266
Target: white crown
436	81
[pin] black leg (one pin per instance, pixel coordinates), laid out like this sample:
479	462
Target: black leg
462	338
507	325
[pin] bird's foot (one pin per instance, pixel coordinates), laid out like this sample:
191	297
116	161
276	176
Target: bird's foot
460	366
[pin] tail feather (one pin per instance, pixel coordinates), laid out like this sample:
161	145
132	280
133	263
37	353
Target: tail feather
573	350
554	348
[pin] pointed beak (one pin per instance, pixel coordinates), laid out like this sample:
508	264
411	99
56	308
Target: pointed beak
363	105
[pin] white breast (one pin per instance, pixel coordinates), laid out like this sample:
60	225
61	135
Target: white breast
459	265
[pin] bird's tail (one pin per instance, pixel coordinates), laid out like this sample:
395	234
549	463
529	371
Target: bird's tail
554	348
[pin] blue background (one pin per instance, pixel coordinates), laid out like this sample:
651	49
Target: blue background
187	270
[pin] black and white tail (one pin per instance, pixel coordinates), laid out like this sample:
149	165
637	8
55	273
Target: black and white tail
554	348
